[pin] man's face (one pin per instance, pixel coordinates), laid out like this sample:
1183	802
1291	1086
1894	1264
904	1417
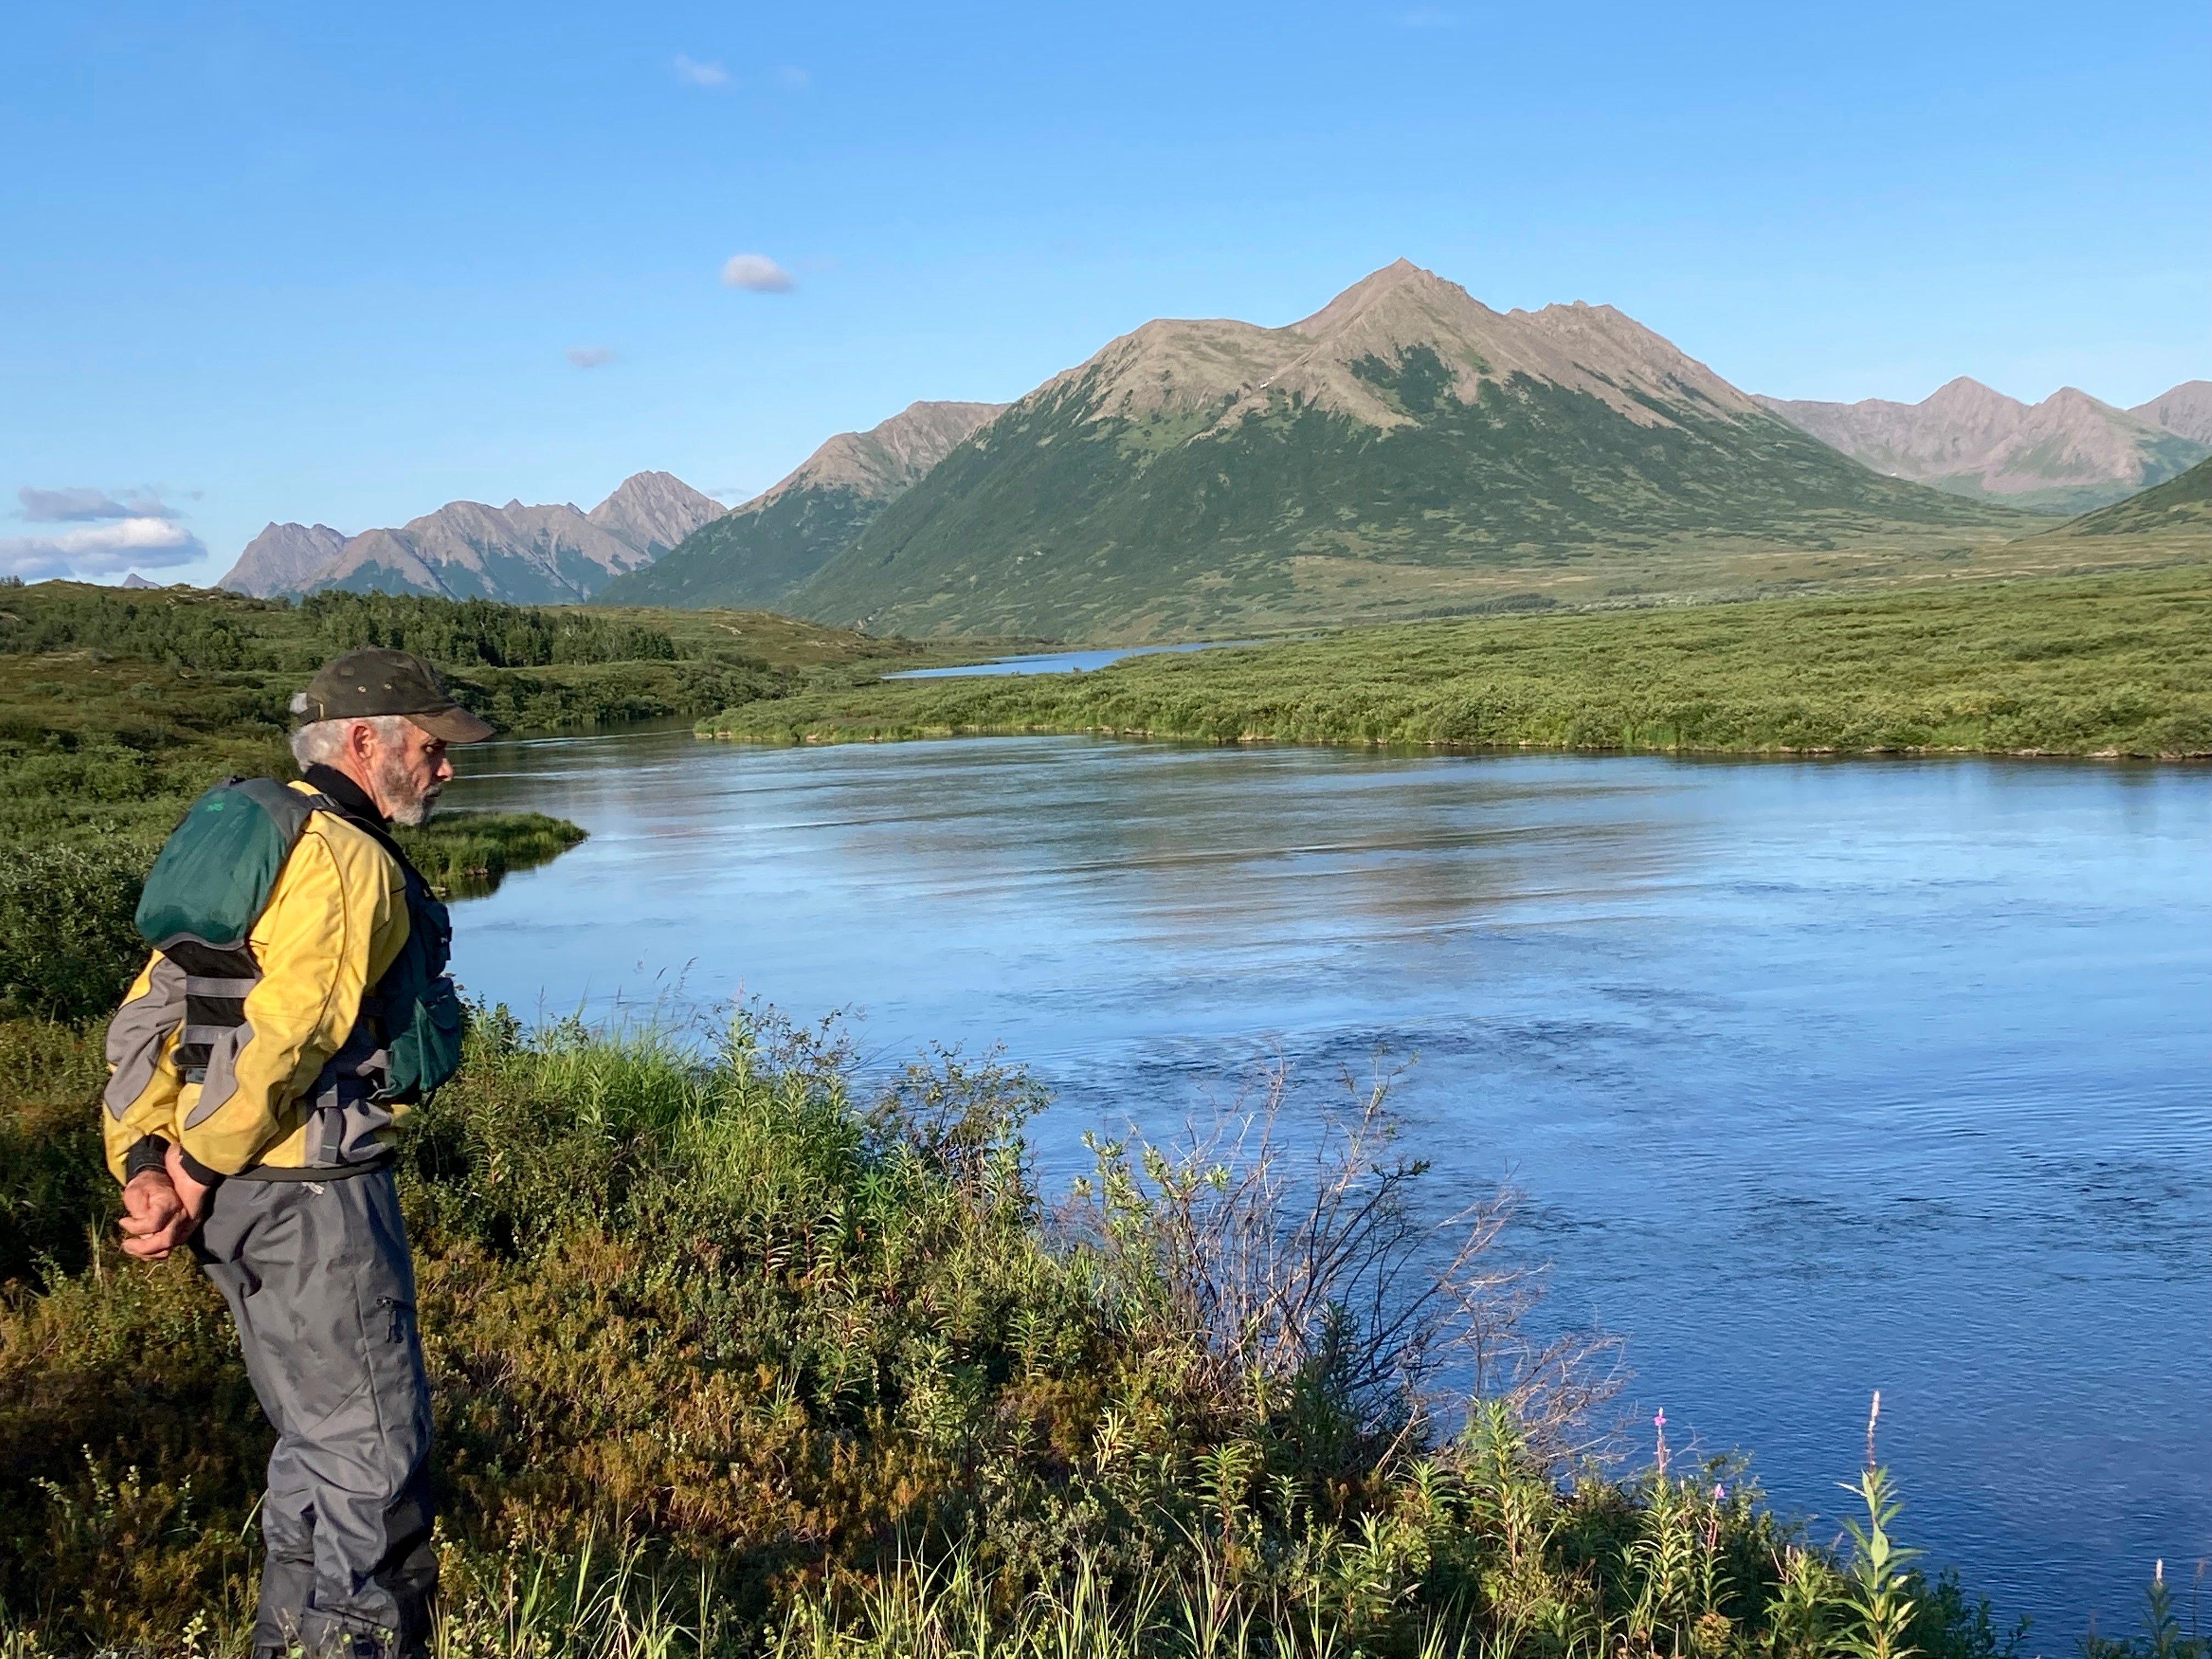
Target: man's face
407	777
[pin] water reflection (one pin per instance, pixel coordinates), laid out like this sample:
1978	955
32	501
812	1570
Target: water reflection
1821	1077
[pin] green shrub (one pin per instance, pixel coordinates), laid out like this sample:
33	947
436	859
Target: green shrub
69	948
728	1356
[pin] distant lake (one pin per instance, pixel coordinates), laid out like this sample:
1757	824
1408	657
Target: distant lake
1819	1077
1054	662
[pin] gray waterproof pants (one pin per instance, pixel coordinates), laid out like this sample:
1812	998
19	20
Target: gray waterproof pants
319	1283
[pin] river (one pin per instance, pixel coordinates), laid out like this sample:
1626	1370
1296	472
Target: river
1819	1077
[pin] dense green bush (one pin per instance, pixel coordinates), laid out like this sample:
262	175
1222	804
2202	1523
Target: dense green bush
181	629
68	947
222	632
465	854
479	633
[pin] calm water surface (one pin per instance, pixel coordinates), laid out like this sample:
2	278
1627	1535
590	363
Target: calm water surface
1055	662
1820	1077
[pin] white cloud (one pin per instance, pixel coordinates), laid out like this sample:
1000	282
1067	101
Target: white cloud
694	72
100	549
589	356
792	78
757	273
84	505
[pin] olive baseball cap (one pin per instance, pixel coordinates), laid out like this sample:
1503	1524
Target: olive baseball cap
373	681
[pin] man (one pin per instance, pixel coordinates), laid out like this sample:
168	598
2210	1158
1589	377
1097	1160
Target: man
294	1005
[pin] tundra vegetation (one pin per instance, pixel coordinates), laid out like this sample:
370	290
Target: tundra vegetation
2115	664
736	1352
733	1355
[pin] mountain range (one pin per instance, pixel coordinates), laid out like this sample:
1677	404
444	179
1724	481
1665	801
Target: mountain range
1201	476
2068	454
756	554
1404	449
552	554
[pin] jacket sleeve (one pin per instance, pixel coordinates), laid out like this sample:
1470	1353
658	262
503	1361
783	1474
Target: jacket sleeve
334	922
140	1100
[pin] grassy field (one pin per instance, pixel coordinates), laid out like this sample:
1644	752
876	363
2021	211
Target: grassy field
2087	664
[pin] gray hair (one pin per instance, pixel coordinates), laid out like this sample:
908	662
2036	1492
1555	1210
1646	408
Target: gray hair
319	743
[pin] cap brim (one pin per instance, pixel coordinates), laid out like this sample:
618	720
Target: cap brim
455	725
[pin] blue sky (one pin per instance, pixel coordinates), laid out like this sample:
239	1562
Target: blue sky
332	263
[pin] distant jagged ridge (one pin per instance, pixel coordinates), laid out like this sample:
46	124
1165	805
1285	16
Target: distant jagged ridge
1196	475
2067	454
758	553
549	555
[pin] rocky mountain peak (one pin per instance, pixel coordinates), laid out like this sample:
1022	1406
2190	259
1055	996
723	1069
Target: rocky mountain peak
2185	411
1962	395
1401	280
2072	400
655	511
1227	371
284	558
887	458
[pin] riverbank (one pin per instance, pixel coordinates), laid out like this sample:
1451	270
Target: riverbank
2106	664
116	708
735	1351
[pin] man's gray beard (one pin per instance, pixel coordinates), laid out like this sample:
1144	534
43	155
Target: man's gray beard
402	799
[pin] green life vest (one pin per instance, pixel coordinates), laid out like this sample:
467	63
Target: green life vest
208	887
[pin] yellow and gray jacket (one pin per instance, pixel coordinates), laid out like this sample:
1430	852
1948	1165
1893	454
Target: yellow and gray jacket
259	1039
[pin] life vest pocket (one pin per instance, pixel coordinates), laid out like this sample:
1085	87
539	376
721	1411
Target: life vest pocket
426	1050
219	1083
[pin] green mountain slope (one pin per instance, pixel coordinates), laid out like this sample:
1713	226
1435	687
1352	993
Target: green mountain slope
755	554
2180	505
1216	476
752	556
